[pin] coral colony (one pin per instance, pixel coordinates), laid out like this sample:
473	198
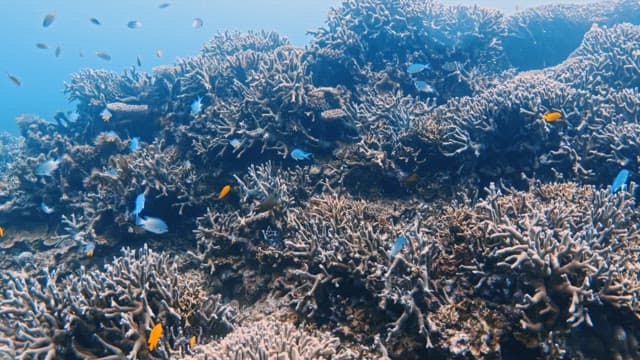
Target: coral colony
409	186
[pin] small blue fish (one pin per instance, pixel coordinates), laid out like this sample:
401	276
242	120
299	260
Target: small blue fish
47	167
139	205
235	143
113	173
45	209
298	154
397	246
424	87
106	115
89	248
416	68
152	224
134	145
620	181
196	106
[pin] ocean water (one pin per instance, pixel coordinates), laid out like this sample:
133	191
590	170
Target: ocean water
409	180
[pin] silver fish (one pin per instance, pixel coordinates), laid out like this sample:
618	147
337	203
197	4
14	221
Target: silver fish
197	23
134	24
103	55
48	19
47	167
152	224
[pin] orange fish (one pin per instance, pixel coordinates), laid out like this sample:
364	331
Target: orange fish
192	342
1	231
225	190
154	336
552	116
411	179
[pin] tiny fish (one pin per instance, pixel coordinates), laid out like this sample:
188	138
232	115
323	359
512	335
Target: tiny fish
416	68
89	248
152	224
552	116
95	21
298	154
42	46
196	106
620	181
46	209
14	79
139	205
112	173
138	61
267	204
134	24
197	23
192	342
397	246
48	19
106	115
424	87
164	5
159	53
411	179
134	145
224	192
154	336
47	167
235	143
73	116
103	55
1	231
81	53
58	51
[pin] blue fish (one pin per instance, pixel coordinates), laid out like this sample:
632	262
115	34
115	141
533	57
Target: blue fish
152	224
196	106
620	181
139	205
134	144
298	154
89	248
397	246
416	68
45	209
424	87
235	143
113	173
47	167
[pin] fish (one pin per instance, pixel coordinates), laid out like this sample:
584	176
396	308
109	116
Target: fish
73	116
112	173
138	61
197	23
298	154
134	145
154	336
397	246
164	5
81	53
152	224
103	55
1	231
47	167
424	87
192	342
267	204
159	53
95	21
48	19
46	209
620	181
14	79
134	24
411	179
224	192
196	106
58	51
139	205
42	46
110	136
552	116
416	68
106	115
89	248
235	143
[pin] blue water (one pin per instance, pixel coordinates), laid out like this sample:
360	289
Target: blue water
43	75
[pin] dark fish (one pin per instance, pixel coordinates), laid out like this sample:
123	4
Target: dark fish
103	55
164	5
267	204
134	24
14	79
48	19
58	51
95	21
42	46
138	61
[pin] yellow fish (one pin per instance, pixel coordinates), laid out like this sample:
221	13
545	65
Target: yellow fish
1	231
106	115
154	336
225	190
192	342
552	116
